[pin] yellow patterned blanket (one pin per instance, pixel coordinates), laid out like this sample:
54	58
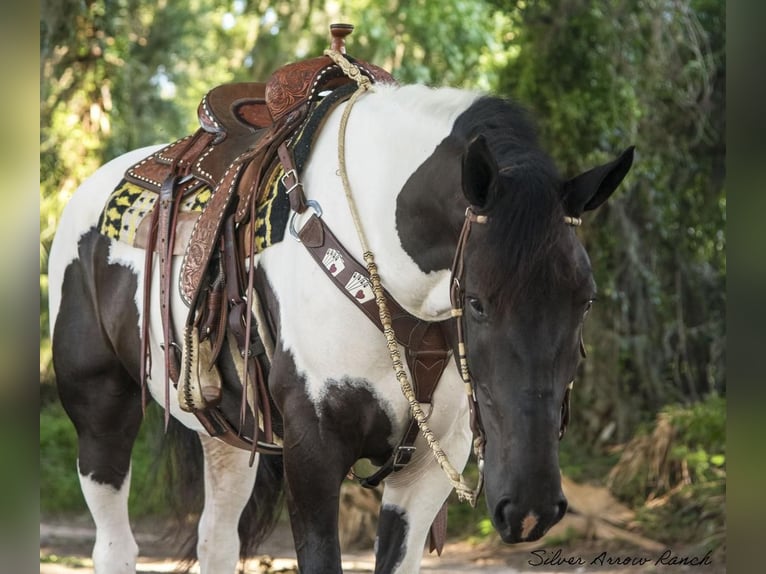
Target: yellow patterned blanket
126	215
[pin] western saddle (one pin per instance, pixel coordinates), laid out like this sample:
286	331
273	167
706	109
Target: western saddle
245	129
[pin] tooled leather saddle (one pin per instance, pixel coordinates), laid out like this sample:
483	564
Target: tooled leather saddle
242	127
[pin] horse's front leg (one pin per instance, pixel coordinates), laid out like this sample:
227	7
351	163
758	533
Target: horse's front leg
316	461
411	500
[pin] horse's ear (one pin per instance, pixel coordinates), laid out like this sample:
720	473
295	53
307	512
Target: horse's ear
590	189
479	173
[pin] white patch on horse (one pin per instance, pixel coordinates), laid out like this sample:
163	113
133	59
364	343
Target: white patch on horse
115	549
437	305
528	525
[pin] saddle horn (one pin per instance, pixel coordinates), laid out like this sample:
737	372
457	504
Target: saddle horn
339	33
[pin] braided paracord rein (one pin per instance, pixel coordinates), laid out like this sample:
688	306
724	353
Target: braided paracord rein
464	491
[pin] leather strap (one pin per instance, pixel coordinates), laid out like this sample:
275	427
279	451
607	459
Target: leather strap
217	426
238	311
293	186
437	534
427	350
146	356
165	225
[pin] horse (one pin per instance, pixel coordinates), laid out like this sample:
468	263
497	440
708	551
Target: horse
420	162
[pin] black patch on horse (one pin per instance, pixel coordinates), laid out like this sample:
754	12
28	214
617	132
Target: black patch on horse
525	207
392	533
95	344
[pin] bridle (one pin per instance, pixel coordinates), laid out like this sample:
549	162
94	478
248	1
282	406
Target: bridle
457	303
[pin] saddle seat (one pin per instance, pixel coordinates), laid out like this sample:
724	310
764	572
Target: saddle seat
234	108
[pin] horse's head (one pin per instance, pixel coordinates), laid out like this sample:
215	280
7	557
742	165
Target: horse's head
527	287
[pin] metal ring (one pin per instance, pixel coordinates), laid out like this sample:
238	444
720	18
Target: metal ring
313	204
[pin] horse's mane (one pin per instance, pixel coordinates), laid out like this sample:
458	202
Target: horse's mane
526	217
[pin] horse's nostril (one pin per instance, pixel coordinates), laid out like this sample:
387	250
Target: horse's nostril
561	509
503	515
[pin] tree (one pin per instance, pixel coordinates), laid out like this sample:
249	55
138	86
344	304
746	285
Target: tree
650	72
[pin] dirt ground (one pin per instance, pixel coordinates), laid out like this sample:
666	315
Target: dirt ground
65	547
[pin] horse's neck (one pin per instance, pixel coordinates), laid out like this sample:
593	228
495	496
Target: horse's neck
390	134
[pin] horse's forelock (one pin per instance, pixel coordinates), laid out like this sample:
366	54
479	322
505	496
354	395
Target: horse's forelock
525	237
524	252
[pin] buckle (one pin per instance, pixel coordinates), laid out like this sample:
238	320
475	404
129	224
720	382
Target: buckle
403	455
294	175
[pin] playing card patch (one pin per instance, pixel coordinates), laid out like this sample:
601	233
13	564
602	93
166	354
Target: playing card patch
360	288
333	261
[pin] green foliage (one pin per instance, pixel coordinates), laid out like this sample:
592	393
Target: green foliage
59	487
686	446
462	519
66	561
694	515
584	465
701	440
674	474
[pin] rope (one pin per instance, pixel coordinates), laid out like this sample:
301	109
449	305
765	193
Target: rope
464	491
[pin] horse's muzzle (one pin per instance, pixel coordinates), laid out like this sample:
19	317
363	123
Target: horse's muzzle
517	523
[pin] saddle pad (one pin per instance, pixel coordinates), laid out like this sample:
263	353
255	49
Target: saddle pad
126	214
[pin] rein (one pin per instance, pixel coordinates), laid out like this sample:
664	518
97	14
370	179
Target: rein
464	491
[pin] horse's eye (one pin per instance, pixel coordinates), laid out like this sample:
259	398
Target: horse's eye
476	307
588	306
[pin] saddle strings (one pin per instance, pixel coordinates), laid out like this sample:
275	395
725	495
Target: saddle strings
464	491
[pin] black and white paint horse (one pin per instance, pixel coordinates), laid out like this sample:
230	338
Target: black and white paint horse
417	158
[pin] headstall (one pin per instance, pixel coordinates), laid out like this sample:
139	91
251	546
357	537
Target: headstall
457	302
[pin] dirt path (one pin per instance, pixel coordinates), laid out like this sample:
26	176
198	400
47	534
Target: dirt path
65	548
